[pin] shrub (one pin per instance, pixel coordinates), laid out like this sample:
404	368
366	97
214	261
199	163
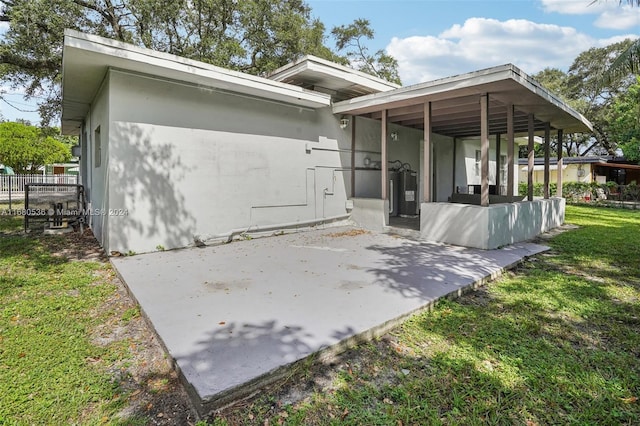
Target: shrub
631	191
576	191
538	189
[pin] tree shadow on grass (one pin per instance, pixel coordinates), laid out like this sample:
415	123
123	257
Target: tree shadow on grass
537	351
23	255
571	366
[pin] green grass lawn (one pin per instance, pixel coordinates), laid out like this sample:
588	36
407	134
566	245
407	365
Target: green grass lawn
556	341
49	369
52	370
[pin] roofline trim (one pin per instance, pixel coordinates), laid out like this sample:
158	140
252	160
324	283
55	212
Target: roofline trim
88	42
442	85
303	63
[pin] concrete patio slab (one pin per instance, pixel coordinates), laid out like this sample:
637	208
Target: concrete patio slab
233	315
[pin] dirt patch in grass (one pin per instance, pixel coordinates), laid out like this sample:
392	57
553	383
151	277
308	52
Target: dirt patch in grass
154	393
364	365
349	233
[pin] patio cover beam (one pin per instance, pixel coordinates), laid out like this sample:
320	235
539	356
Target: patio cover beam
498	164
547	143
510	151
559	173
353	156
383	151
484	150
530	158
426	173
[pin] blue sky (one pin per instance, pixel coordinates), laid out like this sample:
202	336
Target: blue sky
437	38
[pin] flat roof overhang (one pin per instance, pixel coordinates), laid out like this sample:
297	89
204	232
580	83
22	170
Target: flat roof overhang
86	59
455	104
618	166
328	77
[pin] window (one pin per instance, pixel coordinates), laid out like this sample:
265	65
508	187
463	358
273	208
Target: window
97	147
478	157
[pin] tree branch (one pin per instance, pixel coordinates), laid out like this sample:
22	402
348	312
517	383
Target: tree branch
107	14
49	65
93	7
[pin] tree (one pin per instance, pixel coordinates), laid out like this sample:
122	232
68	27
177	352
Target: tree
628	62
26	148
596	97
625	122
557	81
253	36
349	38
584	90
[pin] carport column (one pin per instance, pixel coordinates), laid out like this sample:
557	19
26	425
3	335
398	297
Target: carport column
559	171
510	148
530	163
426	173
484	150
453	166
498	165
547	144
353	156
383	149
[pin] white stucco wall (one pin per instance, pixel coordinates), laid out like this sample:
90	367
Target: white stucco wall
368	146
409	149
443	167
370	213
570	173
186	161
489	227
466	171
95	176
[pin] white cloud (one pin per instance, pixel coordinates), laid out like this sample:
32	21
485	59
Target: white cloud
577	7
620	18
611	14
603	42
482	43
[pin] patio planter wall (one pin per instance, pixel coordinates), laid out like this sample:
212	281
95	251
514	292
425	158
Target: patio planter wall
489	227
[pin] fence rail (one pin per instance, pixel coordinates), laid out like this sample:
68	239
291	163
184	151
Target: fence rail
15	183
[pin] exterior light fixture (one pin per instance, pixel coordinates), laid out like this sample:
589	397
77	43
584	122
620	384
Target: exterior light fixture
394	136
344	122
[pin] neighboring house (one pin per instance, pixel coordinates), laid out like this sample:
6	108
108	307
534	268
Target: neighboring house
174	151
62	169
6	170
600	169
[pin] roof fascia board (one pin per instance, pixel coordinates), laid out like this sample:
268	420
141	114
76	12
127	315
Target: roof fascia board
215	76
433	89
430	89
568	160
314	63
526	81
